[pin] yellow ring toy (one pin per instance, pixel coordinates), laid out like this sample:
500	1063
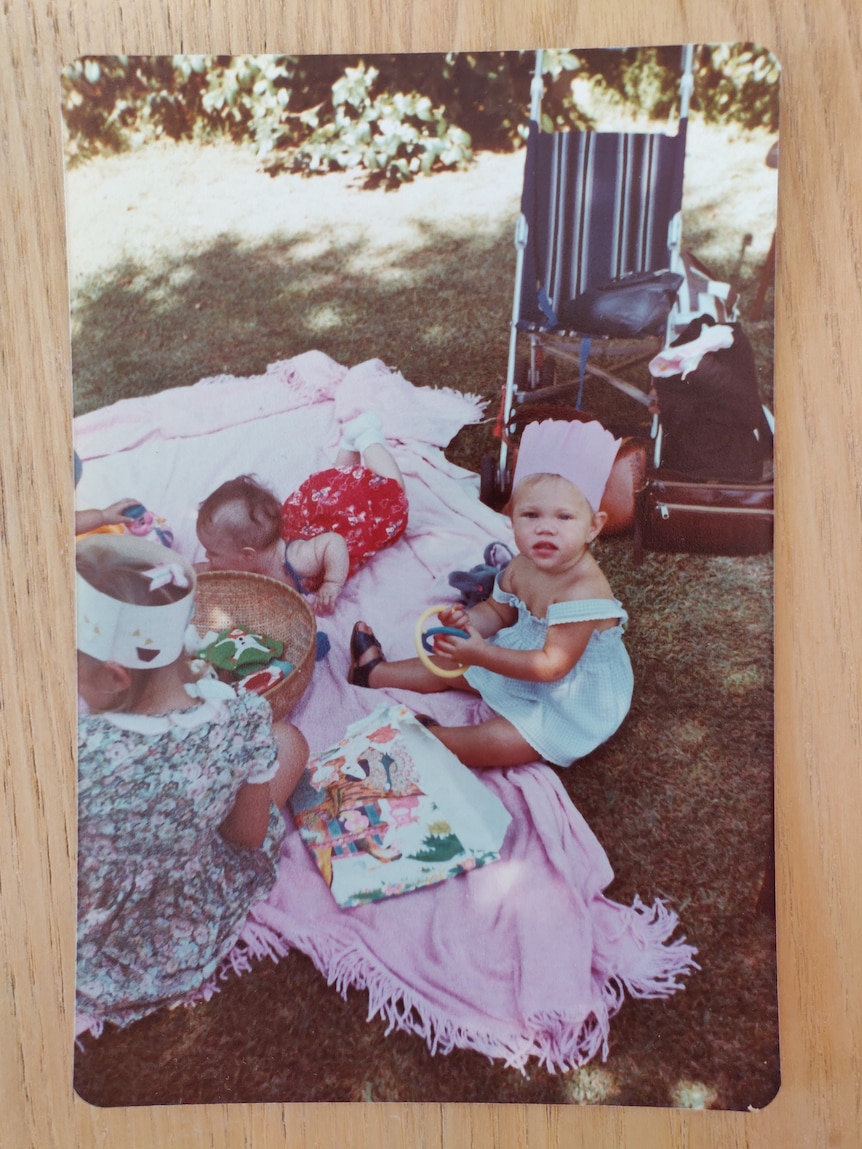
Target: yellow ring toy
421	642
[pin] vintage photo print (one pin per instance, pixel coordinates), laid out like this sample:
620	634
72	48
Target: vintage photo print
423	427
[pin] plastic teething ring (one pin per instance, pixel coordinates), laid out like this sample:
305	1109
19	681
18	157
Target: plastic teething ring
421	636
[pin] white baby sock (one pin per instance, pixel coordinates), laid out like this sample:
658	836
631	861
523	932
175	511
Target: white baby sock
361	432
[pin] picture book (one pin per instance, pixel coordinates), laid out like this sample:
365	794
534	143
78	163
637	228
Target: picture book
389	809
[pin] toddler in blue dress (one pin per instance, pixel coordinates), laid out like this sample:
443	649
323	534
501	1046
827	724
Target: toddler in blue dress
546	650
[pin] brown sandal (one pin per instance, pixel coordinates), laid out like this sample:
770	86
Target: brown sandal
360	642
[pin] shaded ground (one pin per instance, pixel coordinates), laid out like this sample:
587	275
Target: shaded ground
187	262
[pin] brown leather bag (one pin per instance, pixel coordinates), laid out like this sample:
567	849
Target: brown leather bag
678	515
627	477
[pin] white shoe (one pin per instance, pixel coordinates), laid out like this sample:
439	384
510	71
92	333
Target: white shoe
361	432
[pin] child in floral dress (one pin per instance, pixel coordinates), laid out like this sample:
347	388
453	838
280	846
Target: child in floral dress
180	789
322	533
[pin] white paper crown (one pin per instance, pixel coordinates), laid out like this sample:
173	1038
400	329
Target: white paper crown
583	453
137	637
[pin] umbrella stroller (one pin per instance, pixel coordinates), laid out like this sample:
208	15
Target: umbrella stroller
602	283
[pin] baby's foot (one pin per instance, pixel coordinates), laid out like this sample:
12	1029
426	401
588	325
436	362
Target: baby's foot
365	654
361	432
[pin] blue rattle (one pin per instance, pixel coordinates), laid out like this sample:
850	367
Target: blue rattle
424	645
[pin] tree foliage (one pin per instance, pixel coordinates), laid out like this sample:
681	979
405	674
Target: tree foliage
732	82
738	82
394	116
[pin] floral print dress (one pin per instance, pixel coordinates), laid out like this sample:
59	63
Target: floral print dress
368	510
162	896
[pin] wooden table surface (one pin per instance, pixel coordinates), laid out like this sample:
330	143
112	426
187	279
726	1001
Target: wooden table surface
818	557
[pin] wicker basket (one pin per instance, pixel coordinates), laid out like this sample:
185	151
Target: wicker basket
266	606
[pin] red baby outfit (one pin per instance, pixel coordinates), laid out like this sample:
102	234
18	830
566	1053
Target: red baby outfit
369	511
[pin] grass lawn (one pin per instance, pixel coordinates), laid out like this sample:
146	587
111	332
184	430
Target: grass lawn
185	262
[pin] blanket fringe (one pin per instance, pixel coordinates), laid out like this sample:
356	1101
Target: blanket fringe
659	963
557	1041
87	1026
257	940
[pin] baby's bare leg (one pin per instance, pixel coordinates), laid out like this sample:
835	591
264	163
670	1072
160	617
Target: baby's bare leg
411	674
292	757
363	440
408	673
488	744
377	458
347	458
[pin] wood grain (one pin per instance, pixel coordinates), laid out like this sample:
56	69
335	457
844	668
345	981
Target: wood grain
818	552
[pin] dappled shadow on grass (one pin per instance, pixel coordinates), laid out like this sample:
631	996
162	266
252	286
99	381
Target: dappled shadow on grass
682	800
282	1035
234	308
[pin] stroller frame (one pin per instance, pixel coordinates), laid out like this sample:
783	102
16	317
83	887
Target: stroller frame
639	213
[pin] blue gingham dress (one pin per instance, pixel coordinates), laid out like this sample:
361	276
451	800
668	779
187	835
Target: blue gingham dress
562	720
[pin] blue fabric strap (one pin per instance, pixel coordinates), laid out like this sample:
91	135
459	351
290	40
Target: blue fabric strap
547	307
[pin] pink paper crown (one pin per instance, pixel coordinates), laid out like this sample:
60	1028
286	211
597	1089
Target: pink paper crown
583	453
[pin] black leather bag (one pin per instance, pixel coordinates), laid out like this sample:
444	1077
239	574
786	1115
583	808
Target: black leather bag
713	424
633	305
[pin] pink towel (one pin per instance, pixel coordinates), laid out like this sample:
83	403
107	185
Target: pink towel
524	958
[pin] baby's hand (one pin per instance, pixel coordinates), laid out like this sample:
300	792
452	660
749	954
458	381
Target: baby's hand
113	515
465	651
455	615
326	597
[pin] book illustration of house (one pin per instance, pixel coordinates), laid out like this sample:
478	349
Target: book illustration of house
383	811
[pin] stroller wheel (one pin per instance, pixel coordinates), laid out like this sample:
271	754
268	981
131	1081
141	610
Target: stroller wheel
490	489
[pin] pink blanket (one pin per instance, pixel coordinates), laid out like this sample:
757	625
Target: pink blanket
524	958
